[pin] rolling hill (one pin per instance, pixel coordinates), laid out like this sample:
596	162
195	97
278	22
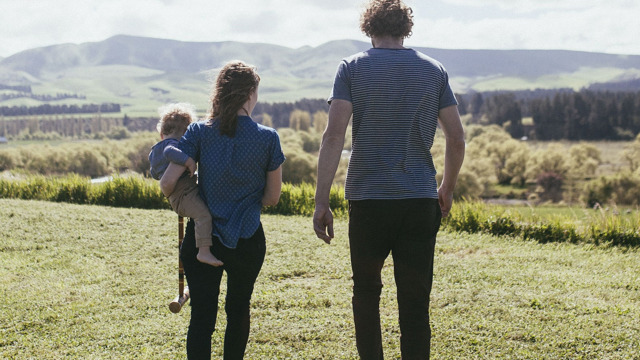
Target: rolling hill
143	73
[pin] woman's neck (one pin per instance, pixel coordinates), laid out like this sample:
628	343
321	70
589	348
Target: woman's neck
249	105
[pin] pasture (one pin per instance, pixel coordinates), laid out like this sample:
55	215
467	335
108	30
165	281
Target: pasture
94	282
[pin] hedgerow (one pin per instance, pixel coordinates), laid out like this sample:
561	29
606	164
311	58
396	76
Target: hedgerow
136	191
477	217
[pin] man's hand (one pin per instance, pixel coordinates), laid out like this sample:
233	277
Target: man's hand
323	223
191	166
445	199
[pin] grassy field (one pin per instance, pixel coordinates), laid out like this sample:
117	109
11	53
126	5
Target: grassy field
90	282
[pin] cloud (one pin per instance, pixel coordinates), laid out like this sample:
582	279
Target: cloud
593	28
527	6
590	25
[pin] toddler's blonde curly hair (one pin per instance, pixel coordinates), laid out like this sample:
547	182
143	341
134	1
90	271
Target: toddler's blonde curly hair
175	118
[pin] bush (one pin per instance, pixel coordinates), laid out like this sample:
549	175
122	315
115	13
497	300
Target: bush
73	189
310	142
621	189
551	185
295	200
472	217
554	159
299	168
89	163
549	232
119	133
7	160
129	191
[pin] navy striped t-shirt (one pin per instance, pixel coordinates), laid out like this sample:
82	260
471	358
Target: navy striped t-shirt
396	96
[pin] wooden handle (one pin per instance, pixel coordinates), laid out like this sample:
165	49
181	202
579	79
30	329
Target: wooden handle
180	267
183	292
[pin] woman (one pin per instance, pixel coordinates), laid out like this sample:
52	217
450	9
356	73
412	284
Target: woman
239	171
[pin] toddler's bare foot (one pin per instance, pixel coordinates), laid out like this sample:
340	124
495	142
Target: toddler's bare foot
205	256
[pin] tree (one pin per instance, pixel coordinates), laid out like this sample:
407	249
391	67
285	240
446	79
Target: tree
550	185
300	167
551	160
504	157
320	120
300	120
504	110
631	154
267	120
584	160
475	105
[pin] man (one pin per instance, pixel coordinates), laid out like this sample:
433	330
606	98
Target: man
397	96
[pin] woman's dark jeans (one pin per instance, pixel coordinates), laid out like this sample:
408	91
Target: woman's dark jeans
242	265
407	229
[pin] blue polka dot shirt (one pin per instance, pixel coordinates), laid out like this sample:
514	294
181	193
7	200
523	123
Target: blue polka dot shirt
232	173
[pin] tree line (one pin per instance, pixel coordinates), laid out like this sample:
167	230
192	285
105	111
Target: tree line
52	127
48	109
537	114
24	91
558	114
41	97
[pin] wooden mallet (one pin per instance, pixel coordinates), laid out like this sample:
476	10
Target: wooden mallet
183	292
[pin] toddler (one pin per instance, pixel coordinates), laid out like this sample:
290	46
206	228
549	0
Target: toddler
185	200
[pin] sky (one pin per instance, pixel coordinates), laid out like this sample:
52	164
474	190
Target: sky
609	26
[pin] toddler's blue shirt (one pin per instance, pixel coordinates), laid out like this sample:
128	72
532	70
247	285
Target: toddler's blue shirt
163	153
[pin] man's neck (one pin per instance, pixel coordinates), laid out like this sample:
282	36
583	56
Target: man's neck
387	42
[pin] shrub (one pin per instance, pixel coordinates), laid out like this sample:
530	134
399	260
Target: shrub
7	160
551	185
465	216
502	225
299	168
119	133
621	189
549	232
73	189
295	200
554	159
89	163
129	191
310	142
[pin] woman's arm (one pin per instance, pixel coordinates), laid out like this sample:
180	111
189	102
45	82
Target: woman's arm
273	187
170	178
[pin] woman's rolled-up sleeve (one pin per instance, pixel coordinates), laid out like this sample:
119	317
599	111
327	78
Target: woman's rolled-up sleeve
277	156
190	142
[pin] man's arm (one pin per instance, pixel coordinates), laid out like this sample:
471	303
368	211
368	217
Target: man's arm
454	155
328	160
170	178
273	188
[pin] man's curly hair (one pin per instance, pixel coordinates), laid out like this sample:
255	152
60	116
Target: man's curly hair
387	18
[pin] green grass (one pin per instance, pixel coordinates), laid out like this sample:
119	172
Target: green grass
92	282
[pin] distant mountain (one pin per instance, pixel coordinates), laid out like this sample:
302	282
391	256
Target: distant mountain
142	73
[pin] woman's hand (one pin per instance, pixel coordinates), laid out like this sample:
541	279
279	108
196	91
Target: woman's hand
191	166
170	178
